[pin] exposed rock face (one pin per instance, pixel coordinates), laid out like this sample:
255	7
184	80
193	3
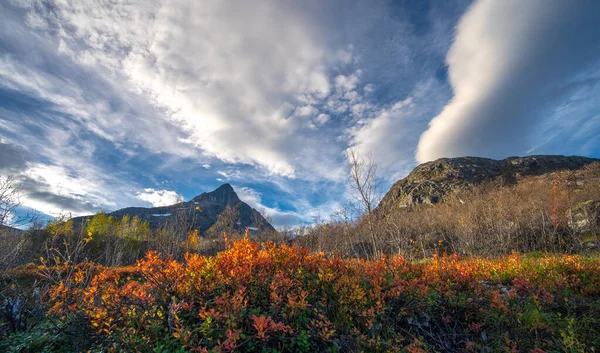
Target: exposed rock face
435	181
585	216
200	213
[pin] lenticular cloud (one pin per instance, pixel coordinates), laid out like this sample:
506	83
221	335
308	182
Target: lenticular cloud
510	64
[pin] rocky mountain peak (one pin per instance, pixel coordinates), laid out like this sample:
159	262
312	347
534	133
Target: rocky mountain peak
201	212
223	195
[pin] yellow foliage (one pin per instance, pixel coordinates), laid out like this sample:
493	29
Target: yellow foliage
193	240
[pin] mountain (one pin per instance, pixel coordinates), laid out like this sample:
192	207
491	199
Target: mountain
435	181
200	213
6	230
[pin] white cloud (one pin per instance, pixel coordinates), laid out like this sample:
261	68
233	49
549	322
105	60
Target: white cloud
231	90
510	64
277	217
160	197
231	174
223	88
57	190
307	110
110	110
346	83
389	135
249	196
303	213
322	119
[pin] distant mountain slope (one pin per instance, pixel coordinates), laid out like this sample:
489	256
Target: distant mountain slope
435	181
6	230
200	213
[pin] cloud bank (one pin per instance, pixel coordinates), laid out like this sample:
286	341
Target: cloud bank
511	63
227	74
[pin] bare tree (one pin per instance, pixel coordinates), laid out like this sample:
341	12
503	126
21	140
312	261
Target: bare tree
10	202
12	244
363	177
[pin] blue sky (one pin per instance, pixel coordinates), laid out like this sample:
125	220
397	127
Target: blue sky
111	104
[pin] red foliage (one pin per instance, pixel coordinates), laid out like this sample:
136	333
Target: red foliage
280	296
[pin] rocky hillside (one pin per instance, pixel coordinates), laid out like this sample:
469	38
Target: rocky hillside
200	213
435	181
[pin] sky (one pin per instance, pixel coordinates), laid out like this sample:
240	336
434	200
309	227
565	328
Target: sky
108	104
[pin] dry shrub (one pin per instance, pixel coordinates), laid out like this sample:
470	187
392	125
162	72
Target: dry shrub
556	212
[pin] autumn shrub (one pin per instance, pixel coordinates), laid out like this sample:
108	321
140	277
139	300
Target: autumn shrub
275	298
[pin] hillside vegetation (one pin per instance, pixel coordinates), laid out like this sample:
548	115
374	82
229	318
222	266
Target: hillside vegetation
556	212
469	207
267	298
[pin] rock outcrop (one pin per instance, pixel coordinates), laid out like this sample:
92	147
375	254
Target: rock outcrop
435	181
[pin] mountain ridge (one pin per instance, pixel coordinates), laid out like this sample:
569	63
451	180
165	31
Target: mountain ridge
201	212
435	181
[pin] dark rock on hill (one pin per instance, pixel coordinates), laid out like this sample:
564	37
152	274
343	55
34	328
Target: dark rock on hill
435	181
200	213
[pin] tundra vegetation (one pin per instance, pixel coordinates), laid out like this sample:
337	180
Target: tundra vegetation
500	267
